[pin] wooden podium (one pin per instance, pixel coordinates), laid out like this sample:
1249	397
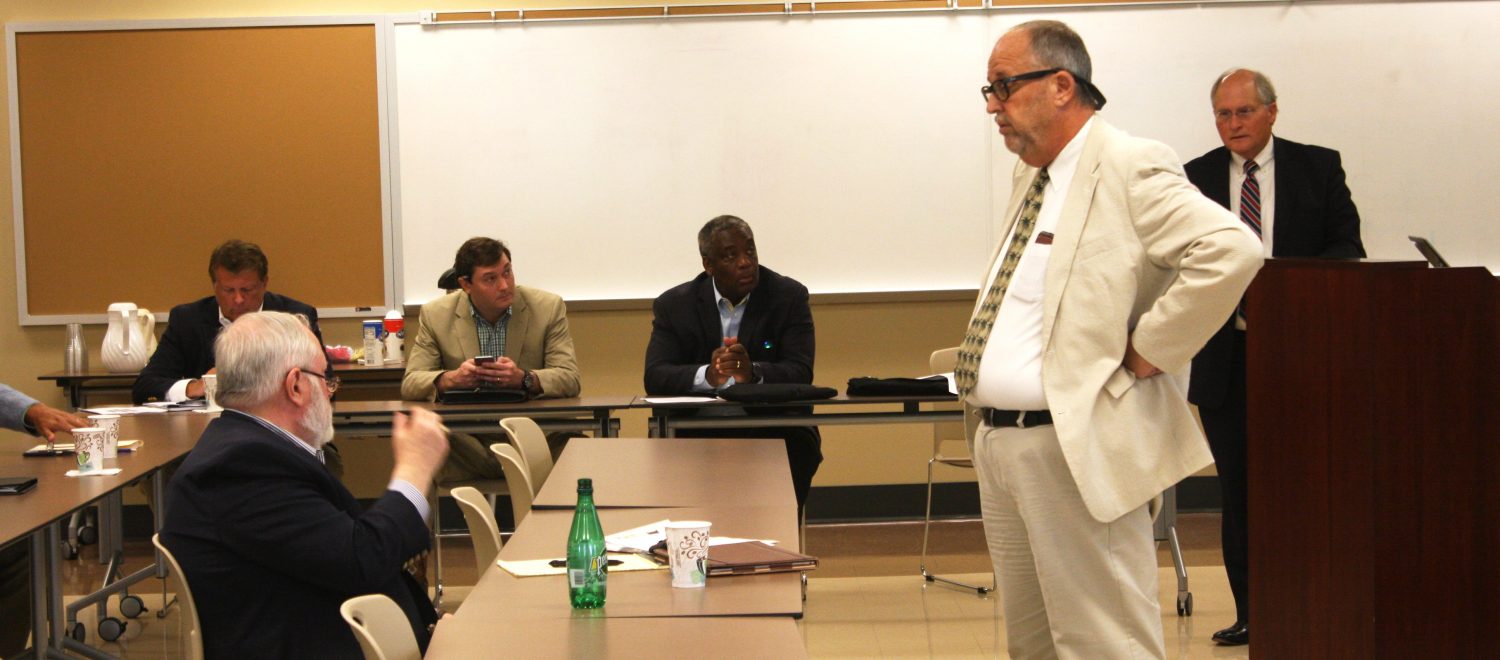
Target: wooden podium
1374	460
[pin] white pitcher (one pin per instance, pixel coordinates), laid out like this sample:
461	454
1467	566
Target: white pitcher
130	340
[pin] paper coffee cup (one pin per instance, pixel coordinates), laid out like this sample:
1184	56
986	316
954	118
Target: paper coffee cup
88	448
687	552
111	426
211	392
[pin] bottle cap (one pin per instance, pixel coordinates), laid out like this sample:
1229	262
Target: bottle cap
585	484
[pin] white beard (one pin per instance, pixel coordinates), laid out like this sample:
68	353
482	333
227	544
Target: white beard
317	422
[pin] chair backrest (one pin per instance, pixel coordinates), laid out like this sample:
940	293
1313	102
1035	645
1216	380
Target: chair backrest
943	361
482	528
381	628
521	492
192	633
532	443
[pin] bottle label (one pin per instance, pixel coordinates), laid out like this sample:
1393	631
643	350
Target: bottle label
575	578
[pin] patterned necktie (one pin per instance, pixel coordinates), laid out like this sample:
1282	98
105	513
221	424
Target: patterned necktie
1250	212
1250	197
966	371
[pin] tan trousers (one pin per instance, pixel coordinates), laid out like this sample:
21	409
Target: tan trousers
1072	587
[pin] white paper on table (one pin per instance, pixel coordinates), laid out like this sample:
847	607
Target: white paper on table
952	385
536	567
124	410
125	445
682	399
637	538
103	472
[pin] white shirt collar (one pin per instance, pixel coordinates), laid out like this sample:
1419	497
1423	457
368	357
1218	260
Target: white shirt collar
1262	159
224	321
1062	167
721	300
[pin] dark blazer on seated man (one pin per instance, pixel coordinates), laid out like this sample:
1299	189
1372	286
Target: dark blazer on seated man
776	331
270	543
186	349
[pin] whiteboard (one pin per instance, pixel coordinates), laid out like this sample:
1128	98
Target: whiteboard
857	145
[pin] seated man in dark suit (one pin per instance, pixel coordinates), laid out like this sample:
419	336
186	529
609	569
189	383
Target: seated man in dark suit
271	544
736	322
1294	197
239	272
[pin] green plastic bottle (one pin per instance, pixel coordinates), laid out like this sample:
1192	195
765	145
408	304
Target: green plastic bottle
588	568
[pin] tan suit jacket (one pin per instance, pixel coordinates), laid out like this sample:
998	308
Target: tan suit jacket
536	338
1137	250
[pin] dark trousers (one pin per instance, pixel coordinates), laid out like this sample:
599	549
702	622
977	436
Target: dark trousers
15	596
1228	438
804	450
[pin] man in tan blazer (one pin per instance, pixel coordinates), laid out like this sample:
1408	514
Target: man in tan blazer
524	330
1113	272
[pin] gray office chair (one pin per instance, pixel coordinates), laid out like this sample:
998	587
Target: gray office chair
192	634
381	628
945	434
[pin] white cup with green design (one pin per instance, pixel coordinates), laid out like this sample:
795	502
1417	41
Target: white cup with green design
88	448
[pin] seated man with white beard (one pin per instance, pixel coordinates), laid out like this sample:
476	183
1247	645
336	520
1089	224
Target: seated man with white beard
272	544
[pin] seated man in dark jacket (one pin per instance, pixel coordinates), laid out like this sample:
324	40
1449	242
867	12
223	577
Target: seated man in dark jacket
239	272
269	542
736	322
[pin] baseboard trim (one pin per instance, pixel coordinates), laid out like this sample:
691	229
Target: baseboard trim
826	504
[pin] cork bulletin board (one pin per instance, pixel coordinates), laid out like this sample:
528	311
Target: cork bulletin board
140	150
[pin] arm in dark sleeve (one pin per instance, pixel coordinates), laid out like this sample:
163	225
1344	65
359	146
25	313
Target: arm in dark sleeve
670	361
793	361
1341	225
289	526
168	365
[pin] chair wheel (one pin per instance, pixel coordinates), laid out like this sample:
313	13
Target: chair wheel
77	632
88	535
111	628
69	551
1185	604
132	606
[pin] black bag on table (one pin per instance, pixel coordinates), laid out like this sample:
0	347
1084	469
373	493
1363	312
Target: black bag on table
929	386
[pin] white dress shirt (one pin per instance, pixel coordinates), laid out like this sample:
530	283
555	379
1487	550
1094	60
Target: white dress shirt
1010	370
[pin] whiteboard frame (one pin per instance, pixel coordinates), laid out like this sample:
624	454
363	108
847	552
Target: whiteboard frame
389	225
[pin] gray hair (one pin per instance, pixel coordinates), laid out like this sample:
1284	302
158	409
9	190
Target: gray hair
1264	91
255	353
720	224
1057	46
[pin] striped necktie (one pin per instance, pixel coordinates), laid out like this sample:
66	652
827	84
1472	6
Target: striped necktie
966	371
1250	212
1250	198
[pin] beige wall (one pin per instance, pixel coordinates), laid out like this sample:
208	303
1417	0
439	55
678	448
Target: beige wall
854	339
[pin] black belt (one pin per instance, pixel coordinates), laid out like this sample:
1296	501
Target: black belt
1022	418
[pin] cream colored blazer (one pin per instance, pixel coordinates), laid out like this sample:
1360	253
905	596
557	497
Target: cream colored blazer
536	338
1138	252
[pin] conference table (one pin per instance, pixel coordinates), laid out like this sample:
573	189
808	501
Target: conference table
353	377
590	413
30	517
742	486
675	417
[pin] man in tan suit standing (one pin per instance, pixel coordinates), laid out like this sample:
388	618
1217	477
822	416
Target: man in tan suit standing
1113	273
525	330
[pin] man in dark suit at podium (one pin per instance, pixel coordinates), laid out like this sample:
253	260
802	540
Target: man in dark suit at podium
736	322
1294	197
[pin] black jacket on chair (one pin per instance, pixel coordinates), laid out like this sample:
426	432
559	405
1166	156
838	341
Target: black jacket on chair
271	545
186	349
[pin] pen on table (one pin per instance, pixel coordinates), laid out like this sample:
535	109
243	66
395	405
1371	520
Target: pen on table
559	563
